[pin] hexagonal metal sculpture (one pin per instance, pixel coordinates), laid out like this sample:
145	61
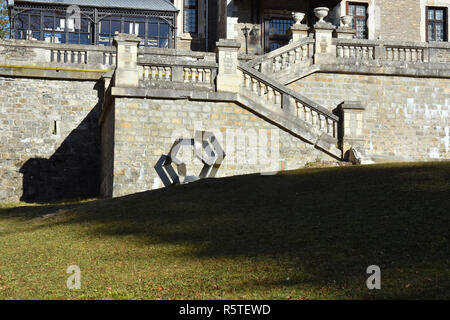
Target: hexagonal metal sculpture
206	148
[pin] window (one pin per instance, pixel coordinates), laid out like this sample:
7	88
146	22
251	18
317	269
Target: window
360	14
53	25
276	33
436	24
190	16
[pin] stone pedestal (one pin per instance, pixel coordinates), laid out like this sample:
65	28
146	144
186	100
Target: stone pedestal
127	74
298	32
325	49
351	131
227	57
345	33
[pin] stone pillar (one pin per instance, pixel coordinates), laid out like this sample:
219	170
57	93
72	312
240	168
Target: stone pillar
325	49
227	57
298	32
127	74
351	122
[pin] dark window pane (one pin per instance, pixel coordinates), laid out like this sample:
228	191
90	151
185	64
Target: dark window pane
49	22
105	26
153	30
35	22
164	30
85	25
115	26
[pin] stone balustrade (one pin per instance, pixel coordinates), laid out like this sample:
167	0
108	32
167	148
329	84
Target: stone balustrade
68	56
350	51
282	58
288	100
417	52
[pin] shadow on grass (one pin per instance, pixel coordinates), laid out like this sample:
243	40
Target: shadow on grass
330	223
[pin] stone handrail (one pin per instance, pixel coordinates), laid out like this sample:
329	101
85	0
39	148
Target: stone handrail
176	68
418	52
282	58
288	100
39	53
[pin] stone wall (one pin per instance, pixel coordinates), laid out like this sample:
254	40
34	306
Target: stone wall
406	118
145	129
49	139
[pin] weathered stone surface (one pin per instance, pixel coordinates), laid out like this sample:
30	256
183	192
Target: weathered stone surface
145	129
49	139
406	118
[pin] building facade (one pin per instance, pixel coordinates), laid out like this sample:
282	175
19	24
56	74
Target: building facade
198	24
98	111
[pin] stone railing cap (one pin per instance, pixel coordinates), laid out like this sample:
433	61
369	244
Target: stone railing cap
324	26
355	105
343	29
299	27
228	43
126	37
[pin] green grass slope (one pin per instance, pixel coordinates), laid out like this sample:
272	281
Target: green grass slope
306	234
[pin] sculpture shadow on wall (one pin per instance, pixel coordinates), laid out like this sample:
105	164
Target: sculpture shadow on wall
73	171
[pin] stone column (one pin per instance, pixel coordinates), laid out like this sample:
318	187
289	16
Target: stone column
298	32
127	74
227	57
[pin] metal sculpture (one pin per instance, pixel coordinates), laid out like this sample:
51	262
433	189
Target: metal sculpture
206	148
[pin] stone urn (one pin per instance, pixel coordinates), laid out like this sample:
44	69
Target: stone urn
346	20
321	12
298	17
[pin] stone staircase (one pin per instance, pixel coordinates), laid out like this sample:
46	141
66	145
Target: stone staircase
289	110
288	63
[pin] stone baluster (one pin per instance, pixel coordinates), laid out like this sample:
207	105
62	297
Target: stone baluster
168	73
407	54
84	57
200	75
270	94
291	57
285	60
186	74
340	52
277	63
330	127
154	72
262	89
389	53
420	55
300	111
254	85
298	54
277	97
146	72
208	75
371	53
308	115
346	52
352	52
62	56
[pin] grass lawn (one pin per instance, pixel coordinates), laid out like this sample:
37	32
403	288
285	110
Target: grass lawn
305	234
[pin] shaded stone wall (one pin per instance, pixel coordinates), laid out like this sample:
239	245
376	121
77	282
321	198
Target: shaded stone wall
146	129
49	139
405	118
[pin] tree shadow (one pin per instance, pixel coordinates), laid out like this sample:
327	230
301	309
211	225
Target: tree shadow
73	171
324	227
